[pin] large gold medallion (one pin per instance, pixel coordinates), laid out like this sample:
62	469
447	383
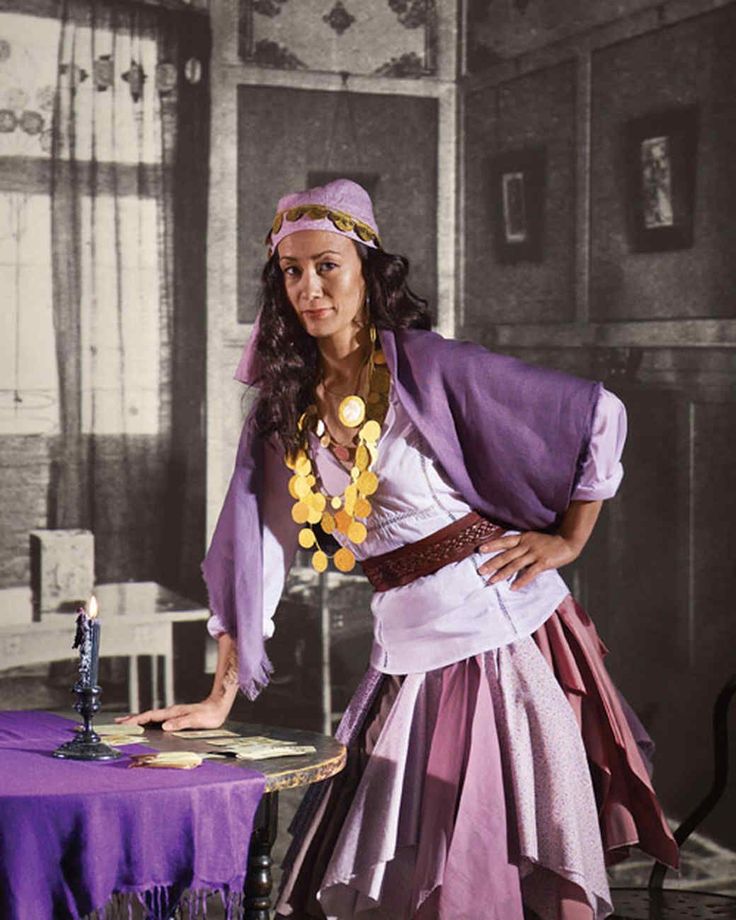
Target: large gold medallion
351	411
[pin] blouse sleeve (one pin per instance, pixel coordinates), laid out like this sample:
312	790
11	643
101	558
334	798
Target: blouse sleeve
279	543
602	470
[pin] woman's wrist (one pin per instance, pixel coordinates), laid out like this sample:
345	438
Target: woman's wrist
220	701
225	683
577	524
572	547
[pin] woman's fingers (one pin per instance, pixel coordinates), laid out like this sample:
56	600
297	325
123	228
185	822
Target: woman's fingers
187	720
493	546
528	576
151	715
533	552
502	559
508	571
205	714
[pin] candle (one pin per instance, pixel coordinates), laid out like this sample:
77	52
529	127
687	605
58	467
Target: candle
87	640
95	627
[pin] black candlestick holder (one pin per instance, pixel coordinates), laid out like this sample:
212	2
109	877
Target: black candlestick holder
87	744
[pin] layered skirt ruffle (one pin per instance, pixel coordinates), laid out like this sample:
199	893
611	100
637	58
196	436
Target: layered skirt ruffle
497	787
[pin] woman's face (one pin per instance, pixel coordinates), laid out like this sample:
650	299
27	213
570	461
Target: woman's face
323	277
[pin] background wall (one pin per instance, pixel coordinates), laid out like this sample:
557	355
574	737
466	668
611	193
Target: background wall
423	95
691	62
656	327
517	115
285	135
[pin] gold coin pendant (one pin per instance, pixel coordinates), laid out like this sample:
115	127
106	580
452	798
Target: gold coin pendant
371	431
357	532
344	560
367	483
319	561
300	512
351	411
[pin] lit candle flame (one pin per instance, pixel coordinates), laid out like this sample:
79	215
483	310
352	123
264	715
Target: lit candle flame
92	610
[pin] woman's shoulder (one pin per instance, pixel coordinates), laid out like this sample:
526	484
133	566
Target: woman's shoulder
432	351
426	343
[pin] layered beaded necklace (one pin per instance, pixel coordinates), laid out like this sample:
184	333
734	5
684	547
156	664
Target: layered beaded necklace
343	513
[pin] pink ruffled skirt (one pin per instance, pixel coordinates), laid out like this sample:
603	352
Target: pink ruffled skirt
496	788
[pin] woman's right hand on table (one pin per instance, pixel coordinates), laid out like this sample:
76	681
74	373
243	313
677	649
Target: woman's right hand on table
209	713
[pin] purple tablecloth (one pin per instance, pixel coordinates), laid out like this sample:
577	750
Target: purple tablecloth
74	834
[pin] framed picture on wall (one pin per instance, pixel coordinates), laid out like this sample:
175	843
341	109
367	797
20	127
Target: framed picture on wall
518	182
661	154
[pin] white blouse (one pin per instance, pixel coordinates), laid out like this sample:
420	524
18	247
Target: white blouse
454	613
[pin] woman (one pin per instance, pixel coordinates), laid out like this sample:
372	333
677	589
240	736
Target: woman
492	771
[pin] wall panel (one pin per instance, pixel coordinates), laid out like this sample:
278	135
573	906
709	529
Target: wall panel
537	109
688	63
284	134
497	31
387	39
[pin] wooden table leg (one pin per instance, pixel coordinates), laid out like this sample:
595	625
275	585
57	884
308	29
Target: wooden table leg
258	883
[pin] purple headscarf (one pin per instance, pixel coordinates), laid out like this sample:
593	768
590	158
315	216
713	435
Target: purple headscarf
341	206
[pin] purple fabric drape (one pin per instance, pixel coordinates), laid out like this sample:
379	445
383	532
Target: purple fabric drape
74	834
510	436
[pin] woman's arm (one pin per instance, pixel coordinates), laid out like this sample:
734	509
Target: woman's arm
537	552
599	479
210	712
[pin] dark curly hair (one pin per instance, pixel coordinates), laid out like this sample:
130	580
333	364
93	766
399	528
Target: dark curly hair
288	354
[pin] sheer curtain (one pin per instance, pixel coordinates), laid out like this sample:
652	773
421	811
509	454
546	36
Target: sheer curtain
104	207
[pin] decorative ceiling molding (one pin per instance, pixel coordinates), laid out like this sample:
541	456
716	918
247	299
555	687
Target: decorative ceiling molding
272	54
397	38
338	18
412	14
268	8
408	65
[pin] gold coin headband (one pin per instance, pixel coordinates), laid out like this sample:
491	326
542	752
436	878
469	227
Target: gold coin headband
344	513
340	220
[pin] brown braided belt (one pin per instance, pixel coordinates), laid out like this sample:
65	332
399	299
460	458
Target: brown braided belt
450	544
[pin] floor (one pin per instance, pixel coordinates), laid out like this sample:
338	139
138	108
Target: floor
706	866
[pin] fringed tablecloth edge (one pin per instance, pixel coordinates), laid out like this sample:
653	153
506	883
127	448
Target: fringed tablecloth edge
160	900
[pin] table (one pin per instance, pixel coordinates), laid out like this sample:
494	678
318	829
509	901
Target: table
137	620
186	824
280	773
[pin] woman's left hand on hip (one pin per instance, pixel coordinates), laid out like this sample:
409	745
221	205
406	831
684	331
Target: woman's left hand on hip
529	554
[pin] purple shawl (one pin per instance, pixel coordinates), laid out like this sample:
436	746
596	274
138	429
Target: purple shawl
511	438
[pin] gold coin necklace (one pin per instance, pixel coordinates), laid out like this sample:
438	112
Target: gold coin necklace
351	413
344	513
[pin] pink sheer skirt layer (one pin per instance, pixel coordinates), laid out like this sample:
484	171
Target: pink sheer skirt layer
495	788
